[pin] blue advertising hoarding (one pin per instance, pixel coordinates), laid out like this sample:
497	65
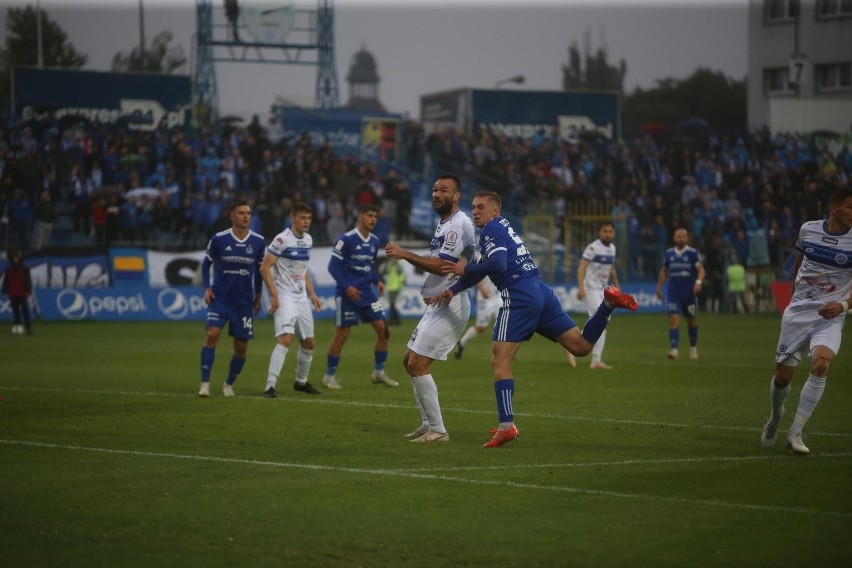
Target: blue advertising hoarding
186	303
140	100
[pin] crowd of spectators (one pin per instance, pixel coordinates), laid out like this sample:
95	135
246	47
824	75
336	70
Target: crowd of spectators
83	183
741	197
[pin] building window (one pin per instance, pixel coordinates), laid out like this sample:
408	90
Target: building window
776	82
834	8
780	11
833	77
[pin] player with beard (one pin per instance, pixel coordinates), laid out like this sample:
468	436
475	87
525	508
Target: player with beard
443	322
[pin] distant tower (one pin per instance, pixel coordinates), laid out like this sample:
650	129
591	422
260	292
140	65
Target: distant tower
364	83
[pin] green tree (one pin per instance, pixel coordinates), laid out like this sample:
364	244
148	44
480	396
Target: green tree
157	57
21	46
718	99
590	71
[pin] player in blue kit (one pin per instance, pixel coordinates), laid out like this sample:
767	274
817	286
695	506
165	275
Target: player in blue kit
529	305
231	274
684	272
353	267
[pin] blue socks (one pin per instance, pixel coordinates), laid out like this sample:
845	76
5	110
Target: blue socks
380	358
234	369
674	338
596	324
504	389
331	365
693	336
207	356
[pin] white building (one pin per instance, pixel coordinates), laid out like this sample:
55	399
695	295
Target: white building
800	65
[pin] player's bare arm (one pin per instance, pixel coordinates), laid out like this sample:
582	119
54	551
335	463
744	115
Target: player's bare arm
266	275
660	281
312	295
581	279
450	267
428	263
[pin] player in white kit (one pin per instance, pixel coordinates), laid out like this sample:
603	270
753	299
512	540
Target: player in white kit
488	302
814	319
291	296
443	322
595	272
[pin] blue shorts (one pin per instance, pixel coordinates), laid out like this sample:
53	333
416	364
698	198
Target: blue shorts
349	313
683	303
529	307
238	318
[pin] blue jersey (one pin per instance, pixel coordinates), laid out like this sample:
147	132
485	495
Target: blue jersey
231	266
353	261
529	305
498	236
682	269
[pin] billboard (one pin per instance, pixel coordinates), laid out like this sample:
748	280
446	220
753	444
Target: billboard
139	100
569	114
367	135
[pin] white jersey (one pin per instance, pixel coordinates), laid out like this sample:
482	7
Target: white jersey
289	270
826	271
601	258
454	239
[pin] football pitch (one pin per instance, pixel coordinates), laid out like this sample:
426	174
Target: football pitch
109	458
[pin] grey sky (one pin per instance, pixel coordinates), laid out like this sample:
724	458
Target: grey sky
427	47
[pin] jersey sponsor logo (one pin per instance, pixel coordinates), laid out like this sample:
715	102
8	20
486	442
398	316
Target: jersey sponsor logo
450	242
819	284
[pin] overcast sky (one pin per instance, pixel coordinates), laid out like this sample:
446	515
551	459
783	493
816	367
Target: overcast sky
424	47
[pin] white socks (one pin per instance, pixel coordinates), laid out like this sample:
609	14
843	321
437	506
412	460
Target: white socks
276	361
303	364
426	394
776	398
808	399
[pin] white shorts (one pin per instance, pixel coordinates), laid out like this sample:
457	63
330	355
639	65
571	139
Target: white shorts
294	316
594	297
487	308
440	328
802	329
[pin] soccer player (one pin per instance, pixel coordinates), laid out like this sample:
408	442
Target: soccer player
684	272
442	323
529	305
813	321
285	273
595	272
488	302
231	271
353	267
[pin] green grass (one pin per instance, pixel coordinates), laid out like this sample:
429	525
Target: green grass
107	457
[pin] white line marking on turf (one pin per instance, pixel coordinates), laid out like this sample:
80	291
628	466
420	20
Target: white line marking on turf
433	477
315	400
721	459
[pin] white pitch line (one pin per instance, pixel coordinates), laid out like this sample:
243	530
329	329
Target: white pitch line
721	459
314	400
433	477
